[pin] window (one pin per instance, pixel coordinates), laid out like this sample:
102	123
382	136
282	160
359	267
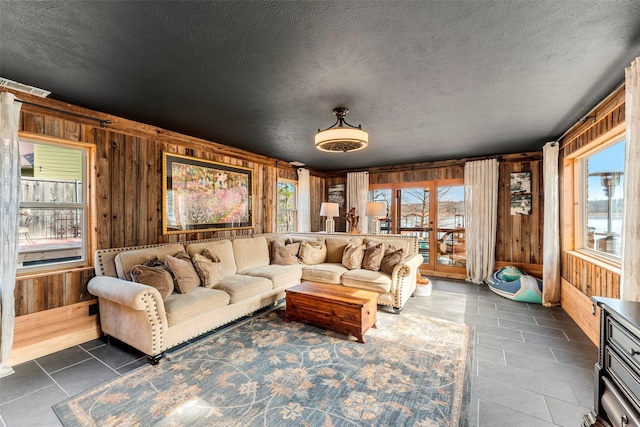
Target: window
287	202
601	200
53	206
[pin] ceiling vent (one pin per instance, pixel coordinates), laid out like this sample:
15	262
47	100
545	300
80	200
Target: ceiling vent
10	84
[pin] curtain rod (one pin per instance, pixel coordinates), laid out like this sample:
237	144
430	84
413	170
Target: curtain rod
102	122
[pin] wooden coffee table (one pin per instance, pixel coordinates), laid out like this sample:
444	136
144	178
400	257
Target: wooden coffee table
336	307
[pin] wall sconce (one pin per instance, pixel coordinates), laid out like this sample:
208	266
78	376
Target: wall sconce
375	210
330	210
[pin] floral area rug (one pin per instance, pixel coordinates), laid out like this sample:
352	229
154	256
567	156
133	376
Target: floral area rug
412	370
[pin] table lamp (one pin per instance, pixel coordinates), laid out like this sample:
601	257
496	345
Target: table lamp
330	210
375	210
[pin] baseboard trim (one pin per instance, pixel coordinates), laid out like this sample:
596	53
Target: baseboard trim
45	332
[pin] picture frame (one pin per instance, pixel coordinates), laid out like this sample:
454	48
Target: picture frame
337	195
520	204
520	182
202	195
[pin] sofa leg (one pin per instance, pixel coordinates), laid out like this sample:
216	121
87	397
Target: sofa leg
397	310
153	360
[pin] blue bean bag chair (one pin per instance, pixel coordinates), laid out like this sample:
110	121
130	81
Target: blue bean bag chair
514	284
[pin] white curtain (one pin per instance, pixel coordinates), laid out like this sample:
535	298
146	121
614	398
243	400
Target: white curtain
551	248
357	194
631	219
304	200
481	216
9	209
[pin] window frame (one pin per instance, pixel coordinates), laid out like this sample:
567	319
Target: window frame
577	161
295	204
88	234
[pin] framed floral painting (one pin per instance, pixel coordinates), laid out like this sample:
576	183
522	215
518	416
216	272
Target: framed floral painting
200	195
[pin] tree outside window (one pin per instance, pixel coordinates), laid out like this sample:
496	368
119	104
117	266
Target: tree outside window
287	203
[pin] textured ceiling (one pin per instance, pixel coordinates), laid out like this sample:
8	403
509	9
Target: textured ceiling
429	80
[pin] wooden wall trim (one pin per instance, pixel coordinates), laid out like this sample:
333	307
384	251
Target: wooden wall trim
601	120
45	332
516	157
580	308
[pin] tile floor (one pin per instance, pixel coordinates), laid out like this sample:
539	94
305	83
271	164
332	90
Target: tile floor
532	366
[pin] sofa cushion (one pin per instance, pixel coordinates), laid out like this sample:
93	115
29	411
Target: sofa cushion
185	307
353	255
284	254
210	255
280	275
251	252
157	277
185	277
284	238
404	244
392	257
240	287
222	249
325	273
210	272
366	279
312	253
373	256
337	244
125	260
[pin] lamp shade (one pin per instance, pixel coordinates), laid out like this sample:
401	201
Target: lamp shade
376	209
329	209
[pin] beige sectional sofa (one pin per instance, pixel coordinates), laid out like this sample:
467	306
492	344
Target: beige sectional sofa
137	314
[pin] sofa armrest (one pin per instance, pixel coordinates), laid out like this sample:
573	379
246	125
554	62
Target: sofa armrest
131	294
403	279
131	312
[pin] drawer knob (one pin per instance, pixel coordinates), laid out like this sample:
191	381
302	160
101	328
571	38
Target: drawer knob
633	351
624	420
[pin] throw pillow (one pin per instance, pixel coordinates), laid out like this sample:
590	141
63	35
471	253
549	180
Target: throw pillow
312	252
353	255
185	278
284	254
153	262
210	273
210	254
373	256
391	258
157	277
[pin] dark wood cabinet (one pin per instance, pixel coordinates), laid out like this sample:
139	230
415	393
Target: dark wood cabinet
617	373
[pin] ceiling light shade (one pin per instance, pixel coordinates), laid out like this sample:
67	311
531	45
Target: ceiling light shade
341	137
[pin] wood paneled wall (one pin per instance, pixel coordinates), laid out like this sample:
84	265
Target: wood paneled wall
519	237
128	190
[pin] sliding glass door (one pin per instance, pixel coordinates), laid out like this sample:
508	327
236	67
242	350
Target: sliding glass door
434	212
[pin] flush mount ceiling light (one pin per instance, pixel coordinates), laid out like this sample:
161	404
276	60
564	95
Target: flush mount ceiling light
341	137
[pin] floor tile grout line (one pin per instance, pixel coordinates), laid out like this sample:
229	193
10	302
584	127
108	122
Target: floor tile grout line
105	364
52	379
515	410
34	391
